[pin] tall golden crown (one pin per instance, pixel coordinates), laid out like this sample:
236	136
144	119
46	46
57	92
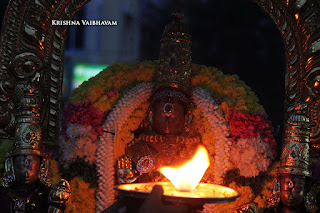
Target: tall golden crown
28	129
295	155
172	78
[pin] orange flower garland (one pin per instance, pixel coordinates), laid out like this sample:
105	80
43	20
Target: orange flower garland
104	91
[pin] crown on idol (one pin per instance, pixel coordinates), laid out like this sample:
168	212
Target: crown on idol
172	78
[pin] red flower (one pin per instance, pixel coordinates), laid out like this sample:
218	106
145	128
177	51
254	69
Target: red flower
249	125
83	114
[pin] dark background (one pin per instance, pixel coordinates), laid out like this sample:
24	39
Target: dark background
235	36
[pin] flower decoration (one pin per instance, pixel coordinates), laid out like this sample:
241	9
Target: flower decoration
228	89
222	143
105	154
78	142
267	187
104	112
255	156
83	114
251	125
82	197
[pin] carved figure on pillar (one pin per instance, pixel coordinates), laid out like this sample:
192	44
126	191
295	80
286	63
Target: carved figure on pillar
290	187
26	185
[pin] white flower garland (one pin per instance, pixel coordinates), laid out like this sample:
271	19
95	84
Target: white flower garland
257	156
105	194
210	109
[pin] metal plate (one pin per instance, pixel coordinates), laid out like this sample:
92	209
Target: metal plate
203	193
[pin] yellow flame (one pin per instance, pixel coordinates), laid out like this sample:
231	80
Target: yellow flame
187	176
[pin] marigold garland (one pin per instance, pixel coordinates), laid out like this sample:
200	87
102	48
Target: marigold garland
120	77
218	125
123	76
107	96
82	197
267	188
228	88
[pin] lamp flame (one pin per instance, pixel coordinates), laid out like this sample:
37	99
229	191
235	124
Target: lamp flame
187	176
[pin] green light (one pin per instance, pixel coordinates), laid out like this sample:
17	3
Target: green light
83	72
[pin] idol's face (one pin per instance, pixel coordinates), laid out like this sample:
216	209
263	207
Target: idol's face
27	169
292	190
169	116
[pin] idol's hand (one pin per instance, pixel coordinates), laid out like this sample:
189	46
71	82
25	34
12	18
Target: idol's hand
125	172
153	204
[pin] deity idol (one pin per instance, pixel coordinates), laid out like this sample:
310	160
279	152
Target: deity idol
166	138
293	174
25	185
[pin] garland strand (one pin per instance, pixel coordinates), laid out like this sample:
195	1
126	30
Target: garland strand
210	109
202	98
105	90
105	194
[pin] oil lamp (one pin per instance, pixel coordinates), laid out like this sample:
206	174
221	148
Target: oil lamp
186	177
184	186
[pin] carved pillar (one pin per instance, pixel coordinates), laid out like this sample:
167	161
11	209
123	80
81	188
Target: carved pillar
32	52
298	22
